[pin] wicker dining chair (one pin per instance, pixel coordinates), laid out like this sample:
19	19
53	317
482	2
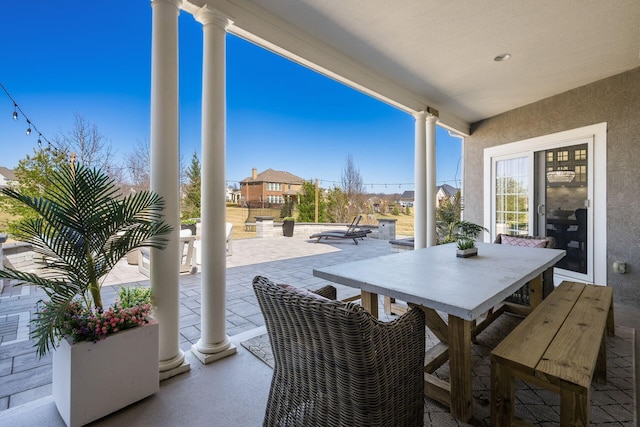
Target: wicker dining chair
336	365
521	296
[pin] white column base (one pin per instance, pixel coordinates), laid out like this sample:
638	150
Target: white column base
206	358
165	375
175	366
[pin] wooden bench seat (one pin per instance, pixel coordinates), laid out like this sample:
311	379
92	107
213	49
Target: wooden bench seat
560	346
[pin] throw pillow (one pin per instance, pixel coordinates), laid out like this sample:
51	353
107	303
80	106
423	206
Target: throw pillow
519	241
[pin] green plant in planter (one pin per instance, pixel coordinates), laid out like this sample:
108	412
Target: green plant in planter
82	231
288	218
466	243
457	230
188	222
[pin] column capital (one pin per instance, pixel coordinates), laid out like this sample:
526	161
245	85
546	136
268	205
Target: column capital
176	3
432	119
207	15
420	115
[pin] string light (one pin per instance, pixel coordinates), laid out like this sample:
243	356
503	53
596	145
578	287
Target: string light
372	185
30	126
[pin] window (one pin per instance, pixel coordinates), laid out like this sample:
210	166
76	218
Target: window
563	156
512	196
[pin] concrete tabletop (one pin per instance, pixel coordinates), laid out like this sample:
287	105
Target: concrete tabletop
434	277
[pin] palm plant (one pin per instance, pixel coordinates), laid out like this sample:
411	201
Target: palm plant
82	230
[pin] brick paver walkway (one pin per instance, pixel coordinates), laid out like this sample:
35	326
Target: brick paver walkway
24	377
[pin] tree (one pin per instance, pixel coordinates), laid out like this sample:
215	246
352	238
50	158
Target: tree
338	208
32	175
92	149
351	179
449	226
353	188
307	204
192	197
138	164
447	216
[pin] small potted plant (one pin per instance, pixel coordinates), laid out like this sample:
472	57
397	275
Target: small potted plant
287	226
188	224
466	248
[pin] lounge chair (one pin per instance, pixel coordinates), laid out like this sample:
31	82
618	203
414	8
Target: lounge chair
352	232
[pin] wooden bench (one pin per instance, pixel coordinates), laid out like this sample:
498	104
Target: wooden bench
560	346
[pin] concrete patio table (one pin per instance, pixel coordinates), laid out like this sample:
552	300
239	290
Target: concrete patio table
463	288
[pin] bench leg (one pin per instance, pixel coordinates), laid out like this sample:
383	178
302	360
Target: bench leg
574	409
502	395
611	328
600	373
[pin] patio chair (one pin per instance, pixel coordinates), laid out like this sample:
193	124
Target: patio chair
336	365
353	231
521	296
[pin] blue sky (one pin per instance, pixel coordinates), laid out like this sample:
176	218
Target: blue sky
90	58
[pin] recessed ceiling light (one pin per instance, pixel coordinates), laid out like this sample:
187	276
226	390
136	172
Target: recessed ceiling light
502	57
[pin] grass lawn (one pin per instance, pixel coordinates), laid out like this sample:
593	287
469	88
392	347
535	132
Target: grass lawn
237	216
404	223
4	220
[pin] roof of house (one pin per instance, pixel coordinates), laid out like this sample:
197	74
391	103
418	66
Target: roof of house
448	189
271	175
408	195
7	173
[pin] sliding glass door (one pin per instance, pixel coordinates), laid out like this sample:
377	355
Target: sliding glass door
546	189
563	203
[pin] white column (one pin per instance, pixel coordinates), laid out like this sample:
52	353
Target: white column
214	343
165	264
431	180
420	173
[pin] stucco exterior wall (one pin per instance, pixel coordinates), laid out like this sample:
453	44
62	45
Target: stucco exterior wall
616	101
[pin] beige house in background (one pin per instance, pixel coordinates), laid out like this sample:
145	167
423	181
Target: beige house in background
7	176
442	191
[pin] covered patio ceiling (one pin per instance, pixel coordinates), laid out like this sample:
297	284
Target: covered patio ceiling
424	53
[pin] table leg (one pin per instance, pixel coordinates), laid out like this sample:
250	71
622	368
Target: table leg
535	291
460	368
370	303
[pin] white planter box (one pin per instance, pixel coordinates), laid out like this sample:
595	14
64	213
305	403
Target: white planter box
91	380
466	253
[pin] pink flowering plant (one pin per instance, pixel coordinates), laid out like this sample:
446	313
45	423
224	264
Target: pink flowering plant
83	226
86	324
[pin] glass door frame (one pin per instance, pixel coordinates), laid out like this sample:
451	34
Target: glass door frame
595	136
